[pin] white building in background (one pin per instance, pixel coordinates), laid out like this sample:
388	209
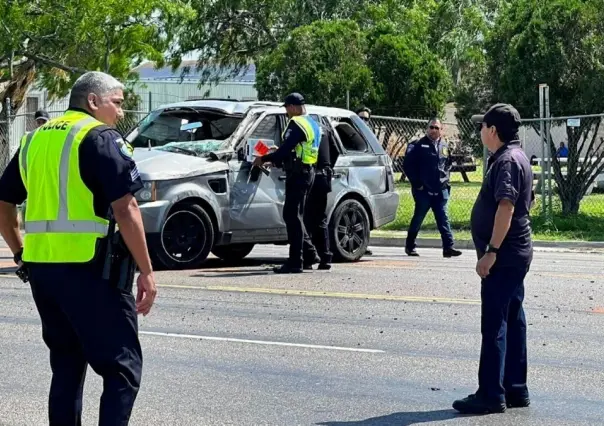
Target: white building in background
155	88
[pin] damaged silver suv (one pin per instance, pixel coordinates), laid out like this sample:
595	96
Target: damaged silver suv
201	194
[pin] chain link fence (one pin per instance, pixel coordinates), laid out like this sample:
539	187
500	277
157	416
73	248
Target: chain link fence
569	184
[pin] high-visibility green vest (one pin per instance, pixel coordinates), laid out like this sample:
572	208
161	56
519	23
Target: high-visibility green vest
60	223
308	151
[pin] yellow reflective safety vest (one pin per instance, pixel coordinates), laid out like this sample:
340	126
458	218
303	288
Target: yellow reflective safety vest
308	151
60	223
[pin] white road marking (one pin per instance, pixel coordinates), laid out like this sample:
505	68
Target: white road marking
259	342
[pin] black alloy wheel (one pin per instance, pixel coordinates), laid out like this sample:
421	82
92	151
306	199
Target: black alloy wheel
186	238
349	231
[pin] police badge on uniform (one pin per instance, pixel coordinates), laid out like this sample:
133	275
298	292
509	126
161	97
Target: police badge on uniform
125	148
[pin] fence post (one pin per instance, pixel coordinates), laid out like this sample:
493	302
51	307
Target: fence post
543	160
9	130
348	99
150	101
548	129
485	160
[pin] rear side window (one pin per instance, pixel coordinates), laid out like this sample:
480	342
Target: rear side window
352	140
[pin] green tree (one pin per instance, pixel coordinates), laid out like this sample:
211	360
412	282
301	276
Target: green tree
409	79
560	43
323	61
458	32
51	43
229	35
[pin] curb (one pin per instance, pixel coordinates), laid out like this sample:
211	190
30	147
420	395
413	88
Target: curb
469	245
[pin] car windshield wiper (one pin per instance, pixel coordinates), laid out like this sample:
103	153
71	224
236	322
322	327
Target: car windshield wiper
178	148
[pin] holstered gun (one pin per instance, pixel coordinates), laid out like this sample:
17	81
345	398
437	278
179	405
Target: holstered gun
119	266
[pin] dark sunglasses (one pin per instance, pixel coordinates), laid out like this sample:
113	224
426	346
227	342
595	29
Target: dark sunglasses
478	128
434	128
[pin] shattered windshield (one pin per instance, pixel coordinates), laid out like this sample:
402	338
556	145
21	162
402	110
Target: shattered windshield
197	148
186	130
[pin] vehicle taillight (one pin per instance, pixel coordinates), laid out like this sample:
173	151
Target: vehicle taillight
389	174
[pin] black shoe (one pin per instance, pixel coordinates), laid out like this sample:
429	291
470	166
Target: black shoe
517	401
451	252
324	267
309	265
286	269
412	252
474	404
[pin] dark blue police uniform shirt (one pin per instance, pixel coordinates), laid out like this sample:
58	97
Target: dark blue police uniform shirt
108	171
509	177
427	163
293	136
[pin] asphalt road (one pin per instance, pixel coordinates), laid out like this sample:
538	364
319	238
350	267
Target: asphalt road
388	340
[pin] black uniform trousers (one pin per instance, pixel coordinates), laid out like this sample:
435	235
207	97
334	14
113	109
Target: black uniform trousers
315	219
423	203
503	355
87	321
297	187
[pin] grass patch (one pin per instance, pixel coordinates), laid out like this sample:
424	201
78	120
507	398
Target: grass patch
587	225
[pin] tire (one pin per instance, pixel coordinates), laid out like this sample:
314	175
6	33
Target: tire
233	253
349	231
186	238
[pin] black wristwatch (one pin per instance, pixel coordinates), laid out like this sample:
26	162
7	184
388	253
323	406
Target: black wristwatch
18	257
492	249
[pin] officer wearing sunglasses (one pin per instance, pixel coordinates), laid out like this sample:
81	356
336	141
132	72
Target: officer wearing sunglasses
427	165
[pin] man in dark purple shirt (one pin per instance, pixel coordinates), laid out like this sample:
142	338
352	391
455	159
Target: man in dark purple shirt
502	235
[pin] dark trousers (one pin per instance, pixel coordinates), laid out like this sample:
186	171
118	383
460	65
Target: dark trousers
423	203
503	356
297	187
315	220
86	321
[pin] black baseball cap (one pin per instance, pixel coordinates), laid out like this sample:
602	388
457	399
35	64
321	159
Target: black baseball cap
41	114
294	99
504	117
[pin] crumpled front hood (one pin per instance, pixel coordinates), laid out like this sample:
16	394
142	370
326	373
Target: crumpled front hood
162	165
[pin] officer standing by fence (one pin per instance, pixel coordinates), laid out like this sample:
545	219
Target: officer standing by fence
502	235
73	171
315	214
427	165
298	152
41	117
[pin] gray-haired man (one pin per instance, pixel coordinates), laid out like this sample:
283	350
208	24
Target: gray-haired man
72	170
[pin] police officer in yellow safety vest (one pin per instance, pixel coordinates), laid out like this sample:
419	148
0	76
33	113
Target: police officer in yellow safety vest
298	156
72	170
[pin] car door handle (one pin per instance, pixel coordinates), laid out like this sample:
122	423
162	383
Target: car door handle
283	177
337	175
363	162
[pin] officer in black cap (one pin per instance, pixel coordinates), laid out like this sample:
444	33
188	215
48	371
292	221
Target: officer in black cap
41	117
299	154
501	232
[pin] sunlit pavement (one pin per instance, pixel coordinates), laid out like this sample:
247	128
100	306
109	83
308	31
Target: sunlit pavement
387	340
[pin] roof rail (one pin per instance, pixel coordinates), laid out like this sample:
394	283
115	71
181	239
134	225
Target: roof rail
200	98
